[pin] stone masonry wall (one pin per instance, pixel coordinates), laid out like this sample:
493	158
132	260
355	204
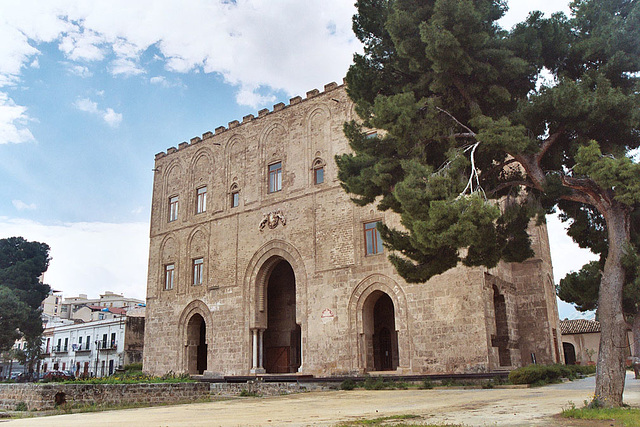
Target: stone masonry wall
441	325
45	396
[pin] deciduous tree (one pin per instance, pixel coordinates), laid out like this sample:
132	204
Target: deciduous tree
22	263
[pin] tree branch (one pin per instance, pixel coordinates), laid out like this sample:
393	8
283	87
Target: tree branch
548	143
511	184
472	133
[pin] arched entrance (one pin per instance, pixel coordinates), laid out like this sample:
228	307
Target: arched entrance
380	335
196	345
501	338
282	337
569	353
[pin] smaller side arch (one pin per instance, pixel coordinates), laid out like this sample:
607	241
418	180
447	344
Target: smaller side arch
377	283
194	307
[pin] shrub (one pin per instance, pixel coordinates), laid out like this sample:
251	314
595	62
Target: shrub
545	374
426	385
21	406
246	393
348	384
133	367
374	383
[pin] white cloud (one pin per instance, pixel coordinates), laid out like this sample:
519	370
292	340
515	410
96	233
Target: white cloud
112	118
90	258
85	104
22	206
35	63
248	42
79	70
162	81
13	121
126	67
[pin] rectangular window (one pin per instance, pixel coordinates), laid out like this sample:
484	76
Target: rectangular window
201	199
168	276
373	241
87	343
80	343
318	175
66	344
173	208
235	199
198	265
275	177
104	341
113	340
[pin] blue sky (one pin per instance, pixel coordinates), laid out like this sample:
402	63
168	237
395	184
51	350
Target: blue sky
90	91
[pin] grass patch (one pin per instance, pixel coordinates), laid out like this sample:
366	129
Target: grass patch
134	377
626	416
247	393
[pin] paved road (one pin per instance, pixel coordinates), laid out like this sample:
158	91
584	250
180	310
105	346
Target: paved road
512	407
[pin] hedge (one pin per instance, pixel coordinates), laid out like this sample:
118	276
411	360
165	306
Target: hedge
531	374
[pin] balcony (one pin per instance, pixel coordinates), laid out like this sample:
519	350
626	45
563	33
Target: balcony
60	349
107	345
82	348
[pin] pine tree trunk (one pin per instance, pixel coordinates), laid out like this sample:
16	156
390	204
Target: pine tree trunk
610	373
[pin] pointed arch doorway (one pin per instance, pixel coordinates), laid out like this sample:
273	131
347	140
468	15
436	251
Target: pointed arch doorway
282	336
380	335
196	345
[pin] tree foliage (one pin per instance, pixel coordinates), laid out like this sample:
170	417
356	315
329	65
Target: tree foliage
474	145
22	263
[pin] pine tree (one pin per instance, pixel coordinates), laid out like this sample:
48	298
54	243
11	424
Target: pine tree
473	146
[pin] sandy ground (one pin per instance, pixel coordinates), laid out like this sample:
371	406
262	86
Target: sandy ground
501	407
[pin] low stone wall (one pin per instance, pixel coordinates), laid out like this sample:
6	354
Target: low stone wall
47	396
260	388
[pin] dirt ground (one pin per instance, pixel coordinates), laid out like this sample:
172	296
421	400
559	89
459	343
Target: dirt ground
495	407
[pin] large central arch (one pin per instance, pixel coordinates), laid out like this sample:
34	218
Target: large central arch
281	338
276	279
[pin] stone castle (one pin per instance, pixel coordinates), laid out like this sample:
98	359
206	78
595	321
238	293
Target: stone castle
260	263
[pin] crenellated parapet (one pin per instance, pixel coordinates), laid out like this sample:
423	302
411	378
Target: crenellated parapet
248	118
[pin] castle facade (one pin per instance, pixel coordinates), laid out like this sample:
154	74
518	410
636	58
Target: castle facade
260	263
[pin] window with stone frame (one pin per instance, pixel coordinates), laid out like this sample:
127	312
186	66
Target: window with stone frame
201	200
318	172
169	276
173	208
372	240
275	177
198	270
235	196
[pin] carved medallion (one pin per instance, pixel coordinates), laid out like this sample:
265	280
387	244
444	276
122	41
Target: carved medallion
272	219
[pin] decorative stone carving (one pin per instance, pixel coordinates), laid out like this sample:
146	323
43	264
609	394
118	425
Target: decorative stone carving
272	219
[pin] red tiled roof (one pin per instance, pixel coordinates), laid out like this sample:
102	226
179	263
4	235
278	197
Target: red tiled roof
579	326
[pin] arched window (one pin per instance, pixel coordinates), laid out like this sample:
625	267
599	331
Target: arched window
318	171
235	195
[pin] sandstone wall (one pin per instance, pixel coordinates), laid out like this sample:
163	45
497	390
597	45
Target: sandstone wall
444	325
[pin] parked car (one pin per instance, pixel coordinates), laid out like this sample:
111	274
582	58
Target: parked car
58	376
28	377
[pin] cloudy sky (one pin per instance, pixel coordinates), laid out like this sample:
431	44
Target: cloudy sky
90	91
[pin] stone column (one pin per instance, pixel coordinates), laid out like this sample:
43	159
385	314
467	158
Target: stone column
254	365
261	349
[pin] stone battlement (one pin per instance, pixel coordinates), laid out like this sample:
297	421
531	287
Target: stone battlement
329	87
